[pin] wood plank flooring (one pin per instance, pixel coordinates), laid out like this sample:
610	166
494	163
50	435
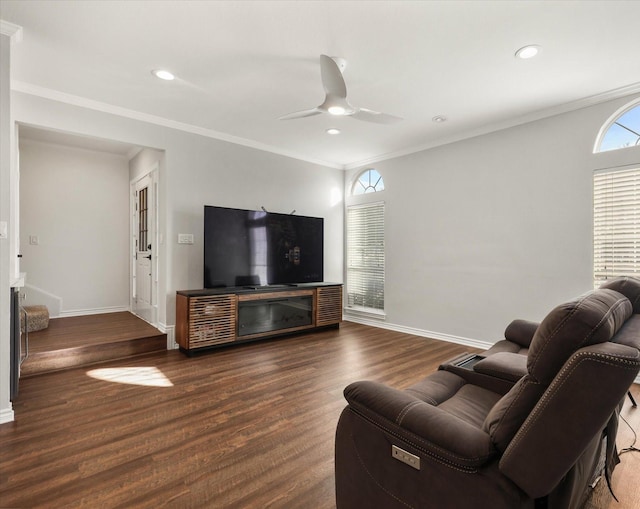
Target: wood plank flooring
83	340
242	427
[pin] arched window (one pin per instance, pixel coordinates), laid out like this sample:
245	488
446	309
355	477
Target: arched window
365	247
369	181
621	132
616	200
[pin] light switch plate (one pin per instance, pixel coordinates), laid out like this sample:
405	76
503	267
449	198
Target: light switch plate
185	238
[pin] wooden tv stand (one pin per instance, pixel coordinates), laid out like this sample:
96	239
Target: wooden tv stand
218	317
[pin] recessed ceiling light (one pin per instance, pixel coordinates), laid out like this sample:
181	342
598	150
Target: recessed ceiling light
529	51
163	74
438	119
333	130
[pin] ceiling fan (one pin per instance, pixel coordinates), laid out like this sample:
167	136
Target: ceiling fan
335	102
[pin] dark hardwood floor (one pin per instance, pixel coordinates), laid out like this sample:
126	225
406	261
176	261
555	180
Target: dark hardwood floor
83	340
243	427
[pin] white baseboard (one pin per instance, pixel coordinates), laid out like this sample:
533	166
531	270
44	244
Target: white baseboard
34	296
170	331
474	343
93	311
6	415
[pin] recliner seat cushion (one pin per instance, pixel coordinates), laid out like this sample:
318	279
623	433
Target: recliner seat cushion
453	395
436	388
471	403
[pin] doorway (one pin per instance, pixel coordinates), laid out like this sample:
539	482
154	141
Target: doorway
74	214
144	246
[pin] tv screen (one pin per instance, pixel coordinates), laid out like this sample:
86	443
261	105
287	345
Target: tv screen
257	248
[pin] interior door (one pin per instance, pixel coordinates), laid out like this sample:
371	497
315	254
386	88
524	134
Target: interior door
144	214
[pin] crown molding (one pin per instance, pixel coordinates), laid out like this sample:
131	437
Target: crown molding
14	32
83	102
610	95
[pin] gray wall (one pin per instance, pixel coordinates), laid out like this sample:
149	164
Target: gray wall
492	228
76	202
478	232
6	412
199	170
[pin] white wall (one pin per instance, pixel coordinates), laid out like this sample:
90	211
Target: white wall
492	228
199	170
217	173
6	411
143	162
478	232
76	202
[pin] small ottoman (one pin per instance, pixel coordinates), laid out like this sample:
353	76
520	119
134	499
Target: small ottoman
37	318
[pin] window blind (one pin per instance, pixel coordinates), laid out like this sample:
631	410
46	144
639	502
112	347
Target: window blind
616	224
365	256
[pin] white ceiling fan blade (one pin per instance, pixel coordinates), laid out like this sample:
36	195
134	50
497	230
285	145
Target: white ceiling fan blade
301	114
335	102
375	116
332	79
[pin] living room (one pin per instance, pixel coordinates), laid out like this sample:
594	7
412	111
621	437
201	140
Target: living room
482	225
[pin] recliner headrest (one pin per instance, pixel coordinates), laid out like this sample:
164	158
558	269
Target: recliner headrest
593	318
627	286
588	320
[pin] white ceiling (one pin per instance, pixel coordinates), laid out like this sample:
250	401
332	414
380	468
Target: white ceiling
28	132
243	64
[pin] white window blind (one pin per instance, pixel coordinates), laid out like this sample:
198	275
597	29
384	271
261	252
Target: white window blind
365	256
616	224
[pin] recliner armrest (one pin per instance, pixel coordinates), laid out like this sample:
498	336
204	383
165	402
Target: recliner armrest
425	426
504	365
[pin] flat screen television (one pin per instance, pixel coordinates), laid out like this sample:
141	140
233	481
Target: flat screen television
250	248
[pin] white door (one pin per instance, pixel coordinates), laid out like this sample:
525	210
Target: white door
144	250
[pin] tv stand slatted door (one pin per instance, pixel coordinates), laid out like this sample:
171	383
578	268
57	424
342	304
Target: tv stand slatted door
211	318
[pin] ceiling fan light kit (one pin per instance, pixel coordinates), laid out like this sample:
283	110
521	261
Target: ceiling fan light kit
336	110
335	102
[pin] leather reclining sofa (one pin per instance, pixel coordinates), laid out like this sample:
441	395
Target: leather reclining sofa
530	423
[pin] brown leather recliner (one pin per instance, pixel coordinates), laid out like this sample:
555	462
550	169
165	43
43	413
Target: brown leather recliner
519	333
529	437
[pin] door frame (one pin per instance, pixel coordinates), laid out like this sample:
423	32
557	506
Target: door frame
154	237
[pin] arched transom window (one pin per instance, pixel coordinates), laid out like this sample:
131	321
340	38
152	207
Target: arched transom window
622	132
369	181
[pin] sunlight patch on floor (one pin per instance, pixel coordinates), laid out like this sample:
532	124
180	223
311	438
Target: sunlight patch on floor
148	376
